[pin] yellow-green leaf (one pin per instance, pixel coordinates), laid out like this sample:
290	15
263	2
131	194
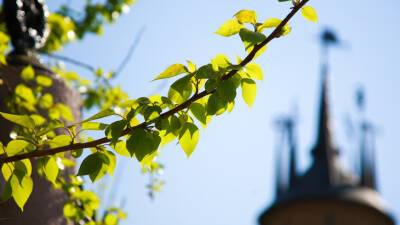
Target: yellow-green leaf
254	71
249	90
16	146
246	16
50	168
229	28
172	71
22	120
44	81
220	61
188	138
191	66
25	93
28	73
309	13
21	190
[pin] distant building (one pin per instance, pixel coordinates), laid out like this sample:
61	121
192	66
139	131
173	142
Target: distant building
326	194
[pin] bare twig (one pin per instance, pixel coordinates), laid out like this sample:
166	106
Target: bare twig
130	52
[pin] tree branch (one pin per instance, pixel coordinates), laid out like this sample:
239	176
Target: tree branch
195	97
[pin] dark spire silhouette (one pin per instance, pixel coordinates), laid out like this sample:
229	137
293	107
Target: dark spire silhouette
367	145
290	123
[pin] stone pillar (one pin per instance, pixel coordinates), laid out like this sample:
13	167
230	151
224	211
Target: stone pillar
45	205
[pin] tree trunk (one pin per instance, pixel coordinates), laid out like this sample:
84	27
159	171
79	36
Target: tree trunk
45	205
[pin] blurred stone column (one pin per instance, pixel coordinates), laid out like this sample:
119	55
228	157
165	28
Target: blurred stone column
45	205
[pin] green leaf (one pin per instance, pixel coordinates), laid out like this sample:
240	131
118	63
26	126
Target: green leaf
21	190
28	73
180	90
16	146
50	168
95	165
252	37
199	111
254	71
142	143
206	72
99	115
188	138
172	71
229	28
249	90
22	120
246	16
44	81
151	112
114	131
215	105
227	90
309	13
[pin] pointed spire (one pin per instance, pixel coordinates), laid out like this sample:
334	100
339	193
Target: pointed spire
290	123
324	143
324	153
367	173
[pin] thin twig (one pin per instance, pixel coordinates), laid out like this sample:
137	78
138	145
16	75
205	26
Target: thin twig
130	52
70	60
94	143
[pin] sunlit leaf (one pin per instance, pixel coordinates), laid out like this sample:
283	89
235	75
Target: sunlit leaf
246	16
220	61
120	148
101	114
172	71
188	138
17	146
50	168
180	90
249	90
22	120
309	13
229	28
255	71
94	126
60	140
44	81
191	66
21	190
28	73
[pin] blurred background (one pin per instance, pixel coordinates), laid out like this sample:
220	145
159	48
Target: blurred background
229	179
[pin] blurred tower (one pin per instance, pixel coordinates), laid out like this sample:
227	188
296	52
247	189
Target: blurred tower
327	194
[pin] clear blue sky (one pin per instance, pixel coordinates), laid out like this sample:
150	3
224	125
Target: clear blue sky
229	179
